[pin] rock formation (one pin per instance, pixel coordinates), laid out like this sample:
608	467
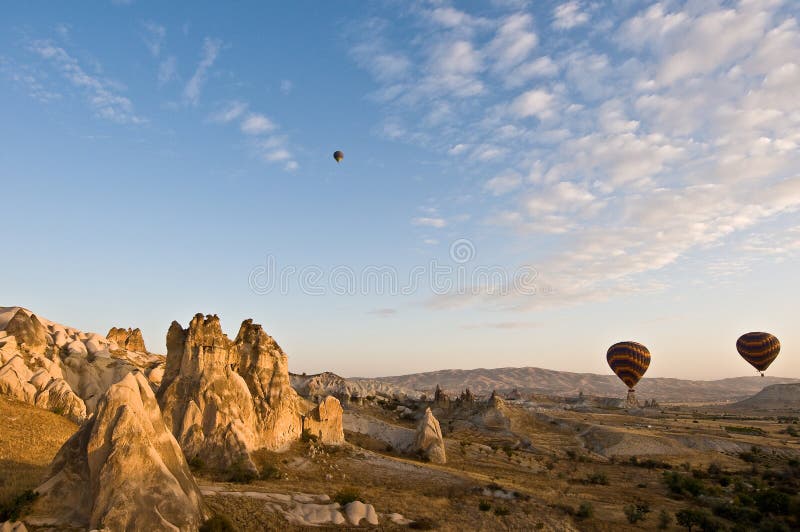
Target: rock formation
61	368
129	339
325	421
223	399
28	331
123	470
429	442
440	398
43	387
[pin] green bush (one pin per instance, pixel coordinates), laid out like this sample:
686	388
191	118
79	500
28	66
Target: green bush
196	463
241	474
772	501
637	512
424	523
682	484
270	472
346	496
484	506
664	520
597	478
306	436
218	523
17	507
585	511
690	518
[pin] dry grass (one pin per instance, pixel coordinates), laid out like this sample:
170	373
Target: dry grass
29	439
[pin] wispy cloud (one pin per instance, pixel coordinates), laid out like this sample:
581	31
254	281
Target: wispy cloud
211	49
426	221
256	124
569	15
102	95
153	37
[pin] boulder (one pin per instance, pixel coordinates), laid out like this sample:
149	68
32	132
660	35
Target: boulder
28	331
123	470
325	421
428	441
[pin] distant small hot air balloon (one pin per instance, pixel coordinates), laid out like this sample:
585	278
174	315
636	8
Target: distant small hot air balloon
759	349
338	155
629	360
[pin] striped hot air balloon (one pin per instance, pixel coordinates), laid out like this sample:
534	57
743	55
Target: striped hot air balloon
629	360
759	349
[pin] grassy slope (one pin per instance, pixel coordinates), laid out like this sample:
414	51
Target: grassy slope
29	439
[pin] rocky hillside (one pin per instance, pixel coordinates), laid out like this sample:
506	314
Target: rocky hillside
62	369
774	397
563	383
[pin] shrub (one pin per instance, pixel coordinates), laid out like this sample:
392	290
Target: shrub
664	520
772	502
501	510
585	511
484	506
196	463
306	436
424	523
270	472
737	513
682	484
241	474
218	523
347	495
597	478
691	518
17	507
637	512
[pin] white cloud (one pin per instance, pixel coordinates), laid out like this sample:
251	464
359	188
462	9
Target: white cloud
503	183
154	37
536	102
231	111
211	49
167	70
103	96
255	124
429	222
286	86
513	43
569	15
541	67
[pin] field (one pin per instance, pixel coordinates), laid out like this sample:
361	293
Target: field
511	466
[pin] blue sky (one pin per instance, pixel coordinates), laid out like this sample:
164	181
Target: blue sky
576	172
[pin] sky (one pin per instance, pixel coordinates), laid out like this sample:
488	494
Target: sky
523	183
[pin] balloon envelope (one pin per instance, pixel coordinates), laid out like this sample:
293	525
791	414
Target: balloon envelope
759	349
338	155
629	360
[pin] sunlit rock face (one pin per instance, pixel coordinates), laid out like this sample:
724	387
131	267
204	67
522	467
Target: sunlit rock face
65	370
224	399
123	470
429	441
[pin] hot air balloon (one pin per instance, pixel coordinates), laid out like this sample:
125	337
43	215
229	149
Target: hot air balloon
338	155
629	360
759	349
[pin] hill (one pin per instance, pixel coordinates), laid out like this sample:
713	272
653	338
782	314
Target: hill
531	380
775	397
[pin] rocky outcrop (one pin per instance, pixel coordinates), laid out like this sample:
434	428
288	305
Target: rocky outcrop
224	399
43	386
428	441
28	331
775	397
123	470
129	339
325	421
70	369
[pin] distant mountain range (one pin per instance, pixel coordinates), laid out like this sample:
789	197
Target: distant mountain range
563	383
